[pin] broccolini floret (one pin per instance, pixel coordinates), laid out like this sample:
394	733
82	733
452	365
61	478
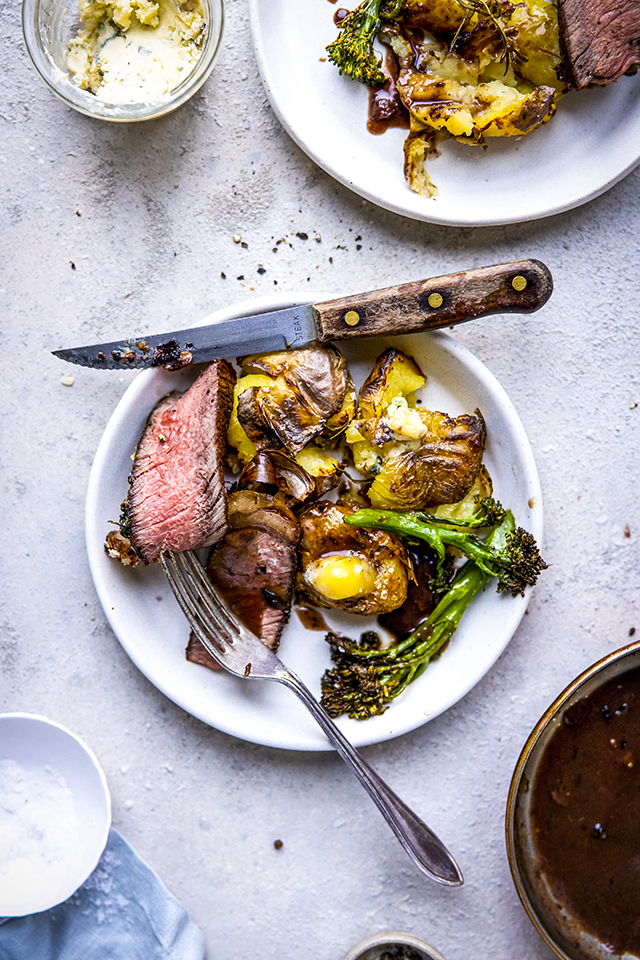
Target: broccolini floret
352	52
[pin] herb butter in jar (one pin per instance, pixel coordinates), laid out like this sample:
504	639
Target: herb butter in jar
125	59
136	50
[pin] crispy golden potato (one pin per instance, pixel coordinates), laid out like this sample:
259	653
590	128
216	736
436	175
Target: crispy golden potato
341	420
278	474
419	458
288	398
522	36
440	470
475	112
394	375
473	74
362	571
321	467
482	487
236	435
436	16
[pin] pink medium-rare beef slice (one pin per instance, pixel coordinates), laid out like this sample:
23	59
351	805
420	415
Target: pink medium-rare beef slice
177	500
254	567
254	571
600	39
196	653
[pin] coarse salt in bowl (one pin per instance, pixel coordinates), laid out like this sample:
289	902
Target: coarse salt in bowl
55	813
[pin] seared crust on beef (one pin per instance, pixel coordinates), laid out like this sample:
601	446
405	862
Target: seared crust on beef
254	567
177	499
120	548
600	40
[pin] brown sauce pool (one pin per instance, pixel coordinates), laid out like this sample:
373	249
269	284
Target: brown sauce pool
386	109
585	813
311	618
420	600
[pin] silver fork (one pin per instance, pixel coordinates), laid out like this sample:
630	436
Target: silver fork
241	653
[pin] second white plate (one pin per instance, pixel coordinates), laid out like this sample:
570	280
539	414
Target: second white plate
150	626
591	144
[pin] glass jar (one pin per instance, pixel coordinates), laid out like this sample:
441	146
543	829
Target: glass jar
49	26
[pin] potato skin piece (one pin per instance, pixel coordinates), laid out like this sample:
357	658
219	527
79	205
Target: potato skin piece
437	16
463	509
307	389
324	533
442	469
466	75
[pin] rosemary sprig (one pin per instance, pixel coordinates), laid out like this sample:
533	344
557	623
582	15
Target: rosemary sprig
492	10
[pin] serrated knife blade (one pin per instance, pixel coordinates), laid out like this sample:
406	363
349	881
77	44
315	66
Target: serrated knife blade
262	333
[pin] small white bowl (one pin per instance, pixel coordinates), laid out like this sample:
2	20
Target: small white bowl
55	813
372	948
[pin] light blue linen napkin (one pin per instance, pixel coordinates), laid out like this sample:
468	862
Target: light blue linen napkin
122	912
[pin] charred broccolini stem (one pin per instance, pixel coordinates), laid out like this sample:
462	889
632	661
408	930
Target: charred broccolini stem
352	52
517	564
366	678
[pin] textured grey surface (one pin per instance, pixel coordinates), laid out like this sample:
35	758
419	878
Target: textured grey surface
110	229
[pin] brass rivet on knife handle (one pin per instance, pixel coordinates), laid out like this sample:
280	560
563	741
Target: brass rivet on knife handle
521	286
352	317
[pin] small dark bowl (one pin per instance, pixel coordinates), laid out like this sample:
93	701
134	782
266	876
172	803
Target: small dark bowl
562	932
372	948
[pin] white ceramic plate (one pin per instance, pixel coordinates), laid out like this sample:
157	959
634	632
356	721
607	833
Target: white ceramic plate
591	144
154	632
55	813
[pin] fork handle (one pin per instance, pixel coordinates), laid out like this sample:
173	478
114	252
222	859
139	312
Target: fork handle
425	849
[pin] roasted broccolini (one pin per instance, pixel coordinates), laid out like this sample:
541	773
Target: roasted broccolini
366	678
517	564
352	52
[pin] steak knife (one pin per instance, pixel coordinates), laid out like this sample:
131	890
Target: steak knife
521	286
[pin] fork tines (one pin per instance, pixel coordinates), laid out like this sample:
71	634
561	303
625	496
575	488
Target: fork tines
214	625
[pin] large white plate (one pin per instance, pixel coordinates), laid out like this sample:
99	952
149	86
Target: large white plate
591	144
154	632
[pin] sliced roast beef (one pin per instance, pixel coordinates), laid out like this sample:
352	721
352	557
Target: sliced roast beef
196	653
254	567
600	39
177	499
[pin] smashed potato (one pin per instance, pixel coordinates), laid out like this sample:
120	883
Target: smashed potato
471	70
394	375
362	571
439	468
418	458
321	466
288	398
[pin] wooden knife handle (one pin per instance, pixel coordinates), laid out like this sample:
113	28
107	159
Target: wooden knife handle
518	287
